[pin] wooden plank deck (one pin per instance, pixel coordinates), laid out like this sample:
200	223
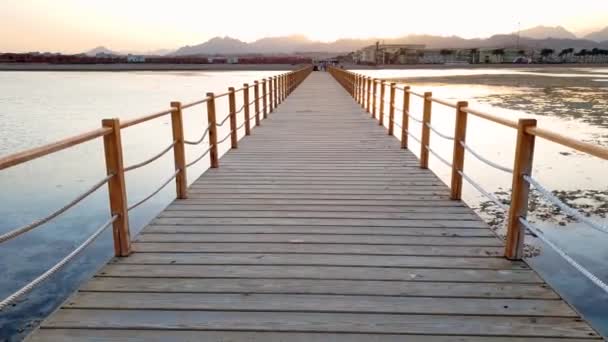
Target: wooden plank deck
318	228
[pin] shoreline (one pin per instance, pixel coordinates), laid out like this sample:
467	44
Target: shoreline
143	67
472	66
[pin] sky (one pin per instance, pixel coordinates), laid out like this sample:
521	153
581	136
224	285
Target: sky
74	26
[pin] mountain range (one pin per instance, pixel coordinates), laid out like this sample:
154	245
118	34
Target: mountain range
537	37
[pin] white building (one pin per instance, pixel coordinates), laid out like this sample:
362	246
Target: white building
387	53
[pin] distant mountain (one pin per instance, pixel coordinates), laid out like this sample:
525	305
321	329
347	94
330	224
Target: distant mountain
545	32
215	45
101	49
303	45
599	36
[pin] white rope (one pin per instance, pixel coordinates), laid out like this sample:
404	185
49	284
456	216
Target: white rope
539	233
414	118
447	163
199	140
31	285
21	230
485	193
199	158
492	164
413	136
226	138
146	162
223	121
155	192
447	137
563	206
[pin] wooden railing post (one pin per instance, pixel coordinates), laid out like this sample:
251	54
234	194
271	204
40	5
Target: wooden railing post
391	111
369	94
405	118
375	92
234	139
264	99
270	96
524	155
460	135
213	156
246	104
117	188
382	93
256	93
357	88
426	132
276	89
179	150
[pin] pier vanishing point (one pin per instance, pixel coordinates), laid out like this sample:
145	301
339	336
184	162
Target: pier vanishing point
316	225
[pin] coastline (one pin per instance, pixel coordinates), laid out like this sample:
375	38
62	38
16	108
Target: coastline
142	67
472	66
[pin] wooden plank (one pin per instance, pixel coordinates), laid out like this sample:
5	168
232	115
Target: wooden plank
322	222
318	259
284	206
317	286
321	322
248	229
227	212
135	335
319	303
188	247
321	272
310	238
367	203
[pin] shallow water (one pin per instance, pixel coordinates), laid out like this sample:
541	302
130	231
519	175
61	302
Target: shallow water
571	102
40	107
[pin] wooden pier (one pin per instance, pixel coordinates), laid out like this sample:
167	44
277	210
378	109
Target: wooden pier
317	228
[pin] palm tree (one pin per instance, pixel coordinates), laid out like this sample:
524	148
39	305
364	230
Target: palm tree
499	53
546	53
445	53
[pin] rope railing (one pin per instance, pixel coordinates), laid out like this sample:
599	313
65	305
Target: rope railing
148	161
522	181
199	158
447	163
223	121
444	136
563	206
485	160
24	229
196	142
225	138
484	192
541	235
58	266
163	185
111	133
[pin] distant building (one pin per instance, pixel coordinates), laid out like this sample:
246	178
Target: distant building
388	54
500	55
232	60
136	59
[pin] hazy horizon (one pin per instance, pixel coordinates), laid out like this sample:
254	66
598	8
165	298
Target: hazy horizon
73	26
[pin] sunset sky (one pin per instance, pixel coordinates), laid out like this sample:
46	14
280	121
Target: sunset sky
77	25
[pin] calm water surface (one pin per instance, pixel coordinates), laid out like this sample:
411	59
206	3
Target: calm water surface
40	107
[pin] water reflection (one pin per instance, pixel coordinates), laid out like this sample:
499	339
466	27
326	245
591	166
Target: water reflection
41	107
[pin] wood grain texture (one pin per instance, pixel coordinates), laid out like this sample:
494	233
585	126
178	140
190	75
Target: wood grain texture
317	228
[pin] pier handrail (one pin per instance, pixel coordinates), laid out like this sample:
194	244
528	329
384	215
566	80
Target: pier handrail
360	87
279	87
